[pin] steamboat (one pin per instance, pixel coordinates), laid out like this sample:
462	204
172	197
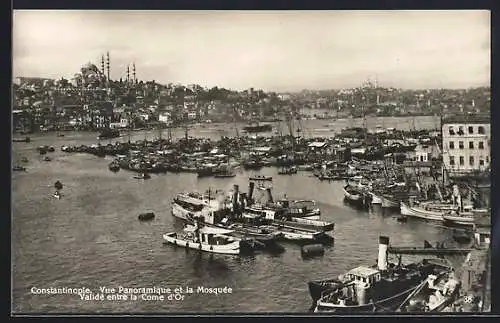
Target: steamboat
384	286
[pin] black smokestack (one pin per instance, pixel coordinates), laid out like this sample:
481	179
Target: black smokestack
250	190
235	197
269	195
243	200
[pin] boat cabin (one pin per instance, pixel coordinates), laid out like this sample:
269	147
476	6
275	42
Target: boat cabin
209	235
363	274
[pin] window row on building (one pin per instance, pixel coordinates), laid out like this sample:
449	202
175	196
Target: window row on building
480	145
470	130
472	161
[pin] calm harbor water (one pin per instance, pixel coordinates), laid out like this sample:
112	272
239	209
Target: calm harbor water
92	237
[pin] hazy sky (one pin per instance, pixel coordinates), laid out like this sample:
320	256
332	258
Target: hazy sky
270	50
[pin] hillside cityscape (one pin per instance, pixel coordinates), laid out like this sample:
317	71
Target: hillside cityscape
92	100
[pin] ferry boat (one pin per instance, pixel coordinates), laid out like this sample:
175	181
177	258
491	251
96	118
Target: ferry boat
208	239
185	206
368	289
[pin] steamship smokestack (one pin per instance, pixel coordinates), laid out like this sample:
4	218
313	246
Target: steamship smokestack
250	191
269	195
235	197
383	243
243	200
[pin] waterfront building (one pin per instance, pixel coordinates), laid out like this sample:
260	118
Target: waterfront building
466	143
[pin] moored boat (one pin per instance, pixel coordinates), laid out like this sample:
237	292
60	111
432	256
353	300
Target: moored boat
142	176
213	240
368	289
19	168
260	178
57	195
416	212
460	219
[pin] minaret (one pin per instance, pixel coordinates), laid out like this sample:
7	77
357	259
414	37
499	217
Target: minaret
128	74
102	65
107	65
133	73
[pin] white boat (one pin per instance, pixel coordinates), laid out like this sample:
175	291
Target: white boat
208	239
375	198
351	194
417	212
57	195
185	206
389	203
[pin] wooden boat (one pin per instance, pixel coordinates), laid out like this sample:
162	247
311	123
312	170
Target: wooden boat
388	202
260	178
142	176
114	167
146	216
18	168
308	224
458	219
417	212
354	196
288	171
294	234
213	240
27	139
47	158
375	198
58	185
433	295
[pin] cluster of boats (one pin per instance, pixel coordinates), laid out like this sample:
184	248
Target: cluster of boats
237	217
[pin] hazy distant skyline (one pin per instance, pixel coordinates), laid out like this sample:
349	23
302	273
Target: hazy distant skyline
269	50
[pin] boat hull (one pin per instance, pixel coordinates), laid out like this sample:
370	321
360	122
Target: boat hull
232	248
461	220
420	213
387	304
376	199
388	203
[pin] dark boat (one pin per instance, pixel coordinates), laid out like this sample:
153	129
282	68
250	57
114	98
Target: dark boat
254	128
252	164
382	287
146	216
205	172
19	168
109	134
355	196
114	167
260	178
51	149
462	237
27	139
58	185
47	158
288	171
